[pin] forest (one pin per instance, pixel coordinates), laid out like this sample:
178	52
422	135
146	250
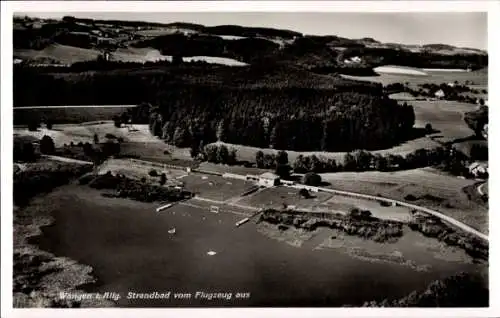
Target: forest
278	107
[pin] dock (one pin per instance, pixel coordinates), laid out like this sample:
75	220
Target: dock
245	220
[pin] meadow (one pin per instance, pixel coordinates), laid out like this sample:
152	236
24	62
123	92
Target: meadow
429	187
68	114
479	78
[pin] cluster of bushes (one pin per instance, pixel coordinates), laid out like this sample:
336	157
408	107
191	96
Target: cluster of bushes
216	154
356	223
477	119
137	190
460	290
97	152
433	227
44	178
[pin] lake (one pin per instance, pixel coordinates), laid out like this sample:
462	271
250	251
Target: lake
130	249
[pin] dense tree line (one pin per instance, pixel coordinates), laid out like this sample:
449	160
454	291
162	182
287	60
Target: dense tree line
348	115
320	120
460	290
446	158
389	56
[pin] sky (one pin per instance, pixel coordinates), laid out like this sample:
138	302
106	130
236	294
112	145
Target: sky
462	29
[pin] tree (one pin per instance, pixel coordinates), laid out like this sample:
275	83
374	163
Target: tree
283	171
48	124
381	163
110	148
153	173
222	154
428	128
47	145
282	158
23	151
349	162
33	125
87	149
117	121
211	152
479	152
259	159
163	179
304	193
312	179
96	139
231	158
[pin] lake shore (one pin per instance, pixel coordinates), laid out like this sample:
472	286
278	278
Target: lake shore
41	277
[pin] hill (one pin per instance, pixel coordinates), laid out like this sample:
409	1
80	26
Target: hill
324	54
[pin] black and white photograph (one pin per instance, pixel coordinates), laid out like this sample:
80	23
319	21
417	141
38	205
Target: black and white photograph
247	159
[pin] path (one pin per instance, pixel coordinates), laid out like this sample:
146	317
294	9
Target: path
65	159
480	189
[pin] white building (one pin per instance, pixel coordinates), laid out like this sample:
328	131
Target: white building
268	179
439	94
478	168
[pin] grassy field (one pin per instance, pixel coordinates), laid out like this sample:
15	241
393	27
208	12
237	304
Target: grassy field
276	197
215	187
63	54
479	78
431	189
445	116
67	115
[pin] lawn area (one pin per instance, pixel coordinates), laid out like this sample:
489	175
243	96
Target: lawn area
63	54
138	171
479	78
67	115
215	187
65	134
430	188
277	196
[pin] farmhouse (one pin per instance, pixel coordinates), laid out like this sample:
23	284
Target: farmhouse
266	179
478	169
439	94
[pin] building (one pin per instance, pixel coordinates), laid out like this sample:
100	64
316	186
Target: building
478	169
439	94
266	179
